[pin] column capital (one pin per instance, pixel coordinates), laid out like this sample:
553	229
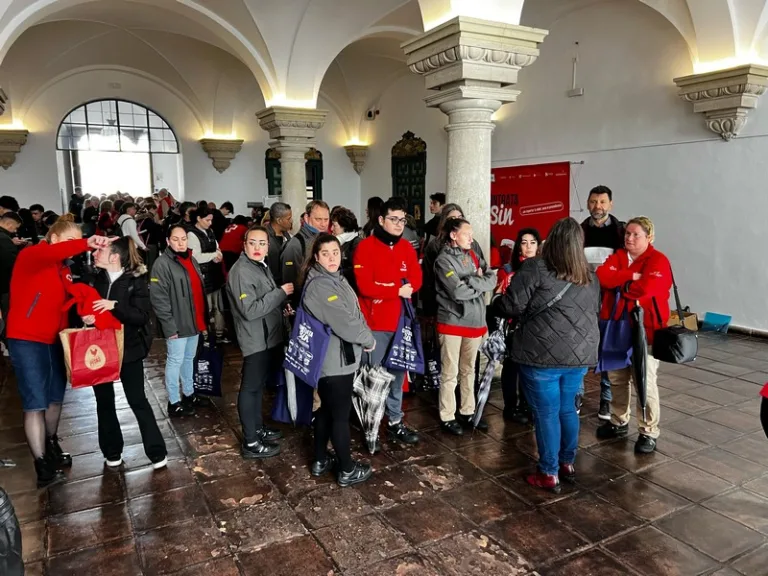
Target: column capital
11	142
472	58
221	151
297	125
725	97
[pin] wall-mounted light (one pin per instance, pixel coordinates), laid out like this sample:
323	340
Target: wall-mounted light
11	142
357	154
743	59
221	151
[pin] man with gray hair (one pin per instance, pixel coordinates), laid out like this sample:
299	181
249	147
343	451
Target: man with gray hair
279	231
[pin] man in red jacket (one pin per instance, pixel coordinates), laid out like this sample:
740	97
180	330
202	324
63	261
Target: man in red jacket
387	270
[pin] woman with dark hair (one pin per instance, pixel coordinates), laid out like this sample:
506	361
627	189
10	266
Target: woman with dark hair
461	284
178	299
27	230
205	249
329	298
107	220
372	212
516	406
257	308
121	281
555	300
344	227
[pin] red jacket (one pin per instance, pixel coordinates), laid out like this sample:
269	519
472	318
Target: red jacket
84	297
38	291
232	241
379	272
655	284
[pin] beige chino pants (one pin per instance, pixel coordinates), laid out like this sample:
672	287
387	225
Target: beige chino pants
458	356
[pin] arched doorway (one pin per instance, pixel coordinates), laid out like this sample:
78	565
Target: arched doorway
110	145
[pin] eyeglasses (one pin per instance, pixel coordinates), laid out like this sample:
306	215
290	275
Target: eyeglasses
396	220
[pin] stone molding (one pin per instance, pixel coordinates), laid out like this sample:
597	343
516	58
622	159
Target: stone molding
472	58
725	97
11	142
221	151
357	154
292	124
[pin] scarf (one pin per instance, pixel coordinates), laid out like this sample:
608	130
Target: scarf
388	239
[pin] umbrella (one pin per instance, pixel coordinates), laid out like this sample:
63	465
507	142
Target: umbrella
290	394
494	348
639	356
371	389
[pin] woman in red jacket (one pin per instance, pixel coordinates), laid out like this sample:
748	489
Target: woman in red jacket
641	275
36	316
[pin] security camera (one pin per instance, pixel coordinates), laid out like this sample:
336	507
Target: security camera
371	114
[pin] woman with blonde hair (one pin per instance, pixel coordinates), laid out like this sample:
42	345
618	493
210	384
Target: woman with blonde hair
638	275
36	316
121	281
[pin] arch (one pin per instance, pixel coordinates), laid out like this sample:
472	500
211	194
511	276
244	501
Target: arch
257	59
129	120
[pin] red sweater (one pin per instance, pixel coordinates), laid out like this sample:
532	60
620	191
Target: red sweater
198	293
232	241
377	265
38	291
655	283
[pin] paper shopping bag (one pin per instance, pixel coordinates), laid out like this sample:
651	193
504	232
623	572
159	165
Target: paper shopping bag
92	356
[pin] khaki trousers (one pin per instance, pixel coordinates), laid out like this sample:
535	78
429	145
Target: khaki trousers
458	356
622	384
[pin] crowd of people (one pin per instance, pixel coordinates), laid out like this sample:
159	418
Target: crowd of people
191	271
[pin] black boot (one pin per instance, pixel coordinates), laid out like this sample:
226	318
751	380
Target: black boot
47	473
61	458
11	563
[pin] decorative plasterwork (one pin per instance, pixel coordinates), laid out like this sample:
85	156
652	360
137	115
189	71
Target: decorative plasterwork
11	142
221	152
3	101
293	128
357	154
472	58
725	97
409	146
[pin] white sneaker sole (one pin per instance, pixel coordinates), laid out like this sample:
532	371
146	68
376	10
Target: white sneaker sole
605	417
113	463
160	465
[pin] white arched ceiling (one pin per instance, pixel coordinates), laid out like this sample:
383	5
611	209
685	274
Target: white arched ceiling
436	12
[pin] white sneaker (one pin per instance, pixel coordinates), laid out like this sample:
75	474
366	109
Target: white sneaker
159	465
114	463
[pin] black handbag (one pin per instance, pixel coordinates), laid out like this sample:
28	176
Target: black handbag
674	344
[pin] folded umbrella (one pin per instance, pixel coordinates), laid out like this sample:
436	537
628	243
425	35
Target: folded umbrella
639	356
494	348
370	391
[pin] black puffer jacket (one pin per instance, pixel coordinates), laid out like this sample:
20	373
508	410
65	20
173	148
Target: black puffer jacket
564	336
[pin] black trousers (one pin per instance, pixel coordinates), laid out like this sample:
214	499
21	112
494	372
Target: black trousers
257	369
332	419
110	435
511	388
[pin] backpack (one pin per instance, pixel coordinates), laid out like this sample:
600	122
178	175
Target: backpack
119	227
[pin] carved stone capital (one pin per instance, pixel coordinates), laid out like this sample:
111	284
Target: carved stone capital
725	97
357	154
221	152
477	56
297	125
11	142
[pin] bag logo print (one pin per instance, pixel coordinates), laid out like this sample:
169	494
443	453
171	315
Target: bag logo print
95	359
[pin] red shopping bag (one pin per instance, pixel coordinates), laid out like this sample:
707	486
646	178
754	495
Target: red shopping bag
92	356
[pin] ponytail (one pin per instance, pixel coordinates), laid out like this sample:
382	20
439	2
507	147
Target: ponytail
130	259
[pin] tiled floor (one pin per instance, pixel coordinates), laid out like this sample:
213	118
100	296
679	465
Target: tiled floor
446	507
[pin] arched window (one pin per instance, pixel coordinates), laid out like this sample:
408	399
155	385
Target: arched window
116	126
409	173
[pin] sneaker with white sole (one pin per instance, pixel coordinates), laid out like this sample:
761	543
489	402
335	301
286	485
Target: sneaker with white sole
113	463
159	465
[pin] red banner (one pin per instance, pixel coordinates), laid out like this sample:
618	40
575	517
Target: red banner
528	197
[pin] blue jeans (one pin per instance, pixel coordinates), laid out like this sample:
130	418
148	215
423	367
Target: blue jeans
551	393
40	373
605	388
395	397
180	362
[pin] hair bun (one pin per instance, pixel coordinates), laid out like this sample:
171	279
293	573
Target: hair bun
68	217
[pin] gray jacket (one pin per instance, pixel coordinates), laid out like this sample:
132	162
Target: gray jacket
330	299
273	256
292	257
170	291
460	291
257	304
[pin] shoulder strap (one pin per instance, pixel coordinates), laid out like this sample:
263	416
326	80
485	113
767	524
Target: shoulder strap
303	243
549	304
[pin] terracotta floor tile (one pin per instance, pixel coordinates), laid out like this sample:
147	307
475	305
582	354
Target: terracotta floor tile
484	501
147	481
362	541
426	448
725	465
749	447
75	496
702	376
301	556
135	458
496	458
743	507
593	517
473	554
469	438
87	466
731	368
220	567
238	491
88	528
249	529
734	419
446	472
516	484
204	420
427	519
592	471
174	547
641	498
162	509
396	485
704	431
194	444
690	405
34	569
407	565
114	559
759	486
650	551
594	562
33	541
686	481
330	505
12	437
622	453
695	526
29	506
222	465
537	536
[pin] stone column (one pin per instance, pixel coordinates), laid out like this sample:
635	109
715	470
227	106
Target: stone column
473	66
292	131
